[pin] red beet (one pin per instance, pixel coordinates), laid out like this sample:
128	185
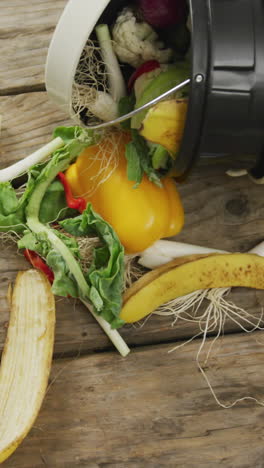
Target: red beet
163	13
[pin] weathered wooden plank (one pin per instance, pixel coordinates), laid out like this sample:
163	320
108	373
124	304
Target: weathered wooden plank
152	409
77	332
25	34
28	123
220	212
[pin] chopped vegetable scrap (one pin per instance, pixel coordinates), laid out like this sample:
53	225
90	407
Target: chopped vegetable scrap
49	231
142	55
136	42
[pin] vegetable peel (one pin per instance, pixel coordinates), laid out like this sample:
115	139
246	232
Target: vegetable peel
156	272
26	359
213	271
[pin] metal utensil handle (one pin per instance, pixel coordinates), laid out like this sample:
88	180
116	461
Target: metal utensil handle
149	104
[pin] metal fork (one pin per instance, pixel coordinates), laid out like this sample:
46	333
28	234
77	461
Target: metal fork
149	104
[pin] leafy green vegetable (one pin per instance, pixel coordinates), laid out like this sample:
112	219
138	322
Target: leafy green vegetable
106	273
100	289
126	105
70	134
159	156
134	168
53	206
12	216
139	160
37	242
8	199
42	202
145	158
12	208
34	196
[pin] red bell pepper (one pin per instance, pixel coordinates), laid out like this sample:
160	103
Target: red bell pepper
37	262
72	202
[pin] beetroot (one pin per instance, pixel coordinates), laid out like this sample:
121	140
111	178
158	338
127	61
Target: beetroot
163	13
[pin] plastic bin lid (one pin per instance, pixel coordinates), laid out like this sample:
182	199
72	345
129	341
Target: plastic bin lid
71	34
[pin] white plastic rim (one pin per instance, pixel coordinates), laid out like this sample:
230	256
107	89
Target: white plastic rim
71	34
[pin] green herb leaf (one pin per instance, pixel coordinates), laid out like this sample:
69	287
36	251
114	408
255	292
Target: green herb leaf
143	152
159	156
134	168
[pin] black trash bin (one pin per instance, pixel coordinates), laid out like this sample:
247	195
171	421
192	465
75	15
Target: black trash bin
226	107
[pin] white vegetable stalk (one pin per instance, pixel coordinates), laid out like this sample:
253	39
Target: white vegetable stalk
113	335
116	81
104	107
164	251
22	166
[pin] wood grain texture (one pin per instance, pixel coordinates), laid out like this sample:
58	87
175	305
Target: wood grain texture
25	32
78	333
28	122
152	409
220	212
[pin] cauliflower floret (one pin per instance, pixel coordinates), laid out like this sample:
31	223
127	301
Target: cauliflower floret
137	42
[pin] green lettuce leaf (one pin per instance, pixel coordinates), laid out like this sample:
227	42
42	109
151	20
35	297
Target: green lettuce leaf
12	215
12	208
54	206
106	274
42	202
64	283
38	242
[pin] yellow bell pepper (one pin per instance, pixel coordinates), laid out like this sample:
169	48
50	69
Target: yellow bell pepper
141	215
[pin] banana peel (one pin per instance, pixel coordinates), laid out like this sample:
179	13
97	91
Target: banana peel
26	359
164	124
186	275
